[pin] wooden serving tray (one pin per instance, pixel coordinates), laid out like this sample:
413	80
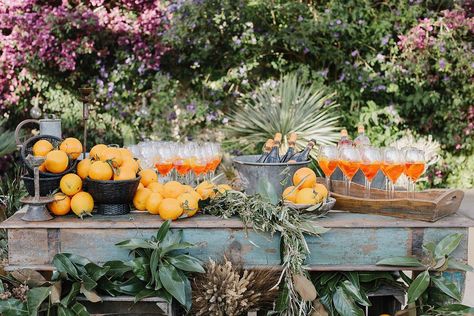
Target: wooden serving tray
429	205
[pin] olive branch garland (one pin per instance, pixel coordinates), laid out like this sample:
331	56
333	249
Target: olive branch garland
265	213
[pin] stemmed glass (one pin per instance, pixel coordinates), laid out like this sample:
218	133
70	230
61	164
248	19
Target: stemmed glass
371	160
163	162
393	166
349	161
414	165
327	159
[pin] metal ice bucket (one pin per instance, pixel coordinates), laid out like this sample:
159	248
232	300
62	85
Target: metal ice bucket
278	174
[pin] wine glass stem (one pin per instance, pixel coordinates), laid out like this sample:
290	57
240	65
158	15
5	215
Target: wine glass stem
369	184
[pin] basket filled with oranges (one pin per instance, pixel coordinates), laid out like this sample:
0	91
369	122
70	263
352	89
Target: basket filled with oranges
110	175
306	195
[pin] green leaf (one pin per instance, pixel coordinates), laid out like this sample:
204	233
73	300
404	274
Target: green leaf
454	264
116	269
78	260
186	263
311	228
173	283
154	262
95	271
400	262
266	190
88	283
90	294
134	243
281	303
344	305
430	248
174	237
35	297
30	277
180	246
448	288
140	267
131	287
76	310
163	231
418	286
356	293
405	278
187	291
13	307
353	277
455	308
145	293
447	245
71	296
365	277
62	263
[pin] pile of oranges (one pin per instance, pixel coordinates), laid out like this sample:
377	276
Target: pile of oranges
57	159
305	189
108	163
172	199
71	197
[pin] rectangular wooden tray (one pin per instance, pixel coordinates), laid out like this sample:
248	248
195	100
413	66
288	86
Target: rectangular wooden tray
429	205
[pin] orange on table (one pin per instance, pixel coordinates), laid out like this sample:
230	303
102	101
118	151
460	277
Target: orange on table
82	204
112	154
140	198
83	168
206	190
41	148
126	154
170	209
153	203
321	190
96	151
61	204
308	196
393	171
289	194
148	176
188	188
370	169
327	166
188	203
172	189
100	170
156	187
130	163
196	195
140	186
70	184
124	173
71	146
349	168
304	178
56	161
414	170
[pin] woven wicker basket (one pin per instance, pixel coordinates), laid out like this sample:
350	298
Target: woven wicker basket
47	185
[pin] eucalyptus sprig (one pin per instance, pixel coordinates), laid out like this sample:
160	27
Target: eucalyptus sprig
265	213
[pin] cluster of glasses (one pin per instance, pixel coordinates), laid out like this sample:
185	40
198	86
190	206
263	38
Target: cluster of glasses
185	162
391	161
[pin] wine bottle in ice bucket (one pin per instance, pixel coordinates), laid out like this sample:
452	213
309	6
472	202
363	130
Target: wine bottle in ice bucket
274	155
266	150
291	148
304	154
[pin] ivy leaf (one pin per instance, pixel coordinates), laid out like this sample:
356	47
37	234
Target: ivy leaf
344	305
400	262
356	293
64	265
187	263
418	286
163	231
454	264
448	288
447	245
173	283
13	307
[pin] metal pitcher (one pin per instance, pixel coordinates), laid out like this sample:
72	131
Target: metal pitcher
48	126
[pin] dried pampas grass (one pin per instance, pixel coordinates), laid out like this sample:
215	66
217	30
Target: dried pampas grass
228	290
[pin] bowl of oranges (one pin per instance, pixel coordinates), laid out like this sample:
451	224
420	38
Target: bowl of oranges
60	156
111	176
307	195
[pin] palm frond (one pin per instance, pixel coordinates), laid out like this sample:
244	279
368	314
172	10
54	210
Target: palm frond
288	106
7	141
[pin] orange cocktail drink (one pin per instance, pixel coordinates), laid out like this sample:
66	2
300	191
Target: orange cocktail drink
370	169
327	166
349	168
393	171
414	170
164	167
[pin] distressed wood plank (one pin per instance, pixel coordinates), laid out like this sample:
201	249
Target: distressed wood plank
28	247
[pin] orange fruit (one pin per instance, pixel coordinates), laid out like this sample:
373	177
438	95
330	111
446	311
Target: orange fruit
172	189
140	186
308	196
125	153
41	148
196	195
72	147
83	168
304	178
156	187
188	203
321	189
170	209
130	163
290	193
124	173
148	176
82	204
140	198
100	170
42	167
70	184
153	203
56	161
206	190
112	154
187	188
61	204
96	151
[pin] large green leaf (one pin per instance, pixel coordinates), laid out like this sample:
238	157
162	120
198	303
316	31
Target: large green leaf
357	294
116	269
344	305
365	277
13	307
91	295
400	262
76	310
454	264
131	287
163	231
88	282
146	293
62	263
180	246
35	297
187	290
173	283
448	287
405	278
172	238
134	243
140	267
76	259
154	263
463	309
418	286
95	271
430	248
71	296
186	263
447	245
353	277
